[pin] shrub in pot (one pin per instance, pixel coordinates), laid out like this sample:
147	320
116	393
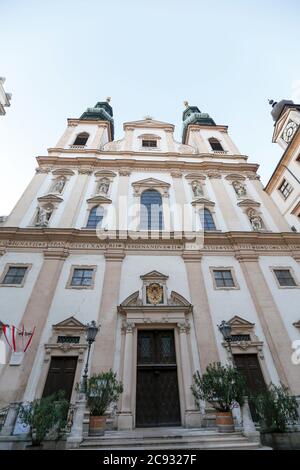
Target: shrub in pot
102	391
44	415
277	412
222	387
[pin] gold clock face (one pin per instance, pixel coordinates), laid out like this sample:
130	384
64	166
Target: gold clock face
289	131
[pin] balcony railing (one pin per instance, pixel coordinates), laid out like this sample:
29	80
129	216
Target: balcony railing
77	147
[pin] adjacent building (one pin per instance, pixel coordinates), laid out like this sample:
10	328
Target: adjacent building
4	97
284	184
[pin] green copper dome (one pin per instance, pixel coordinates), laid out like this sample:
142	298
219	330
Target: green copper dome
101	111
193	115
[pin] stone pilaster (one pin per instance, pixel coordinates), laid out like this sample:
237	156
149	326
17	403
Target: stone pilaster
66	136
125	418
14	378
73	204
26	199
104	346
98	136
204	329
225	204
273	327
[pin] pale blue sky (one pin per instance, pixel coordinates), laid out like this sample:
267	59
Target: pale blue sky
61	56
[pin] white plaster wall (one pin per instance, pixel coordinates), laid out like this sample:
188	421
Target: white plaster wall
83	304
286	299
219	218
29	214
225	304
135	266
13	300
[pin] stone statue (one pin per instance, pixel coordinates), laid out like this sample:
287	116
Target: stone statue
103	186
239	188
197	189
59	185
43	216
256	220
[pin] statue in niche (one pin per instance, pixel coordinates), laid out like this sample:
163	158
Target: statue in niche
197	189
256	220
43	216
103	186
239	188
59	185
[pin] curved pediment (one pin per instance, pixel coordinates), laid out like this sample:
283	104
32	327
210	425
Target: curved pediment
235	177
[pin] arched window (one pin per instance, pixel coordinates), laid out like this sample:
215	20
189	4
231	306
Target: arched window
151	210
95	217
215	144
81	139
207	220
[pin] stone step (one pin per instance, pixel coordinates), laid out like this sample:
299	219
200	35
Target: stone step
187	440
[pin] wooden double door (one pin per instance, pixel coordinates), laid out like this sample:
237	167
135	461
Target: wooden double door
157	396
61	376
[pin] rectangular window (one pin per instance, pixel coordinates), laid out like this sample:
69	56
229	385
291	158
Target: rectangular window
82	277
285	188
15	275
285	278
223	278
149	143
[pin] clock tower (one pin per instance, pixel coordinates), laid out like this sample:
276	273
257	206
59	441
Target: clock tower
284	184
286	115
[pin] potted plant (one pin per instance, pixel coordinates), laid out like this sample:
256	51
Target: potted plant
277	412
44	415
102	391
222	387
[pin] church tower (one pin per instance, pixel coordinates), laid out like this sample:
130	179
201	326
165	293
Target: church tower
284	184
158	242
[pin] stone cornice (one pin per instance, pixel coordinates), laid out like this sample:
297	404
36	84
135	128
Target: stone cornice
131	164
59	242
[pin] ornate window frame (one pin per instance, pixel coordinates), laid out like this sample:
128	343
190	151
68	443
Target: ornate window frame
201	204
28	266
153	137
160	186
81	266
68	327
240	326
293	275
236	285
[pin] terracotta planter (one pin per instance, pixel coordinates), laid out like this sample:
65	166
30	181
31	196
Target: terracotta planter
97	425
224	421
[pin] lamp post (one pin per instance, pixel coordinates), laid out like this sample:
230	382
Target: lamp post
91	331
225	329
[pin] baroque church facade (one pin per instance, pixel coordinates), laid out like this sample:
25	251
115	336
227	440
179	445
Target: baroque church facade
158	242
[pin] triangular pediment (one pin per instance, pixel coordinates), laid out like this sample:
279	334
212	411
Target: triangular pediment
154	275
70	322
237	321
50	198
203	201
99	200
195	176
248	203
150	182
148	123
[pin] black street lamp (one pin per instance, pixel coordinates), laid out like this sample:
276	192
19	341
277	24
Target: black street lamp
91	331
225	329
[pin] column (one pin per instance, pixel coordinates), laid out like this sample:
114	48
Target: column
125	418
192	416
66	136
104	346
183	212
270	205
273	327
231	145
225	204
14	378
26	199
170	140
128	138
121	205
98	136
73	204
204	328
